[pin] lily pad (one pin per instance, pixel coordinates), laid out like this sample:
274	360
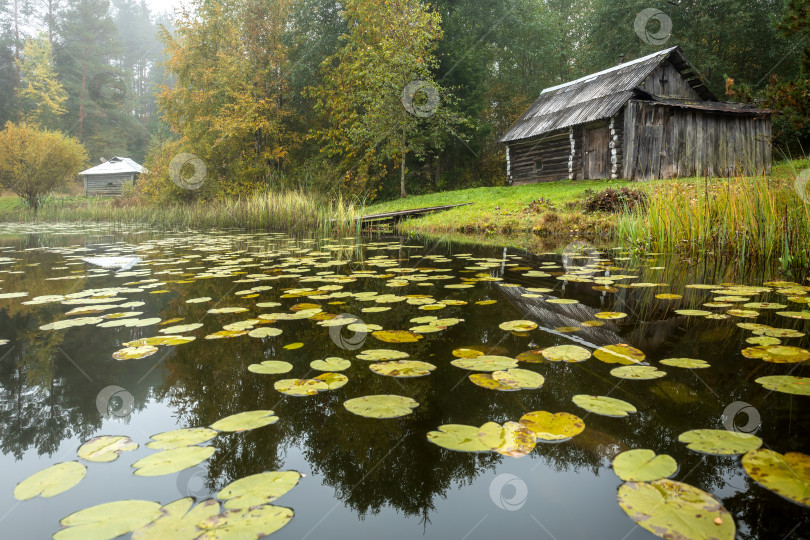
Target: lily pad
178	520
637	372
264	332
333	363
245	523
258	489
402	368
381	406
518	326
485	363
333	381
533	356
566	353
603	405
378	355
397	336
172	461
671	509
106	448
519	378
245	421
688	363
555	427
271	367
108	520
719	442
787	475
458	437
642	465
300	387
485	380
181	437
777	354
610	315
52	481
135	353
621	353
512	439
787	384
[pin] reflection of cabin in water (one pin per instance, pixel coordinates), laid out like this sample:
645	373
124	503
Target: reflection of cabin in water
109	178
653	117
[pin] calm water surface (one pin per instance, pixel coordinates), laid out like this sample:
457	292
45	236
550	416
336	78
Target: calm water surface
369	478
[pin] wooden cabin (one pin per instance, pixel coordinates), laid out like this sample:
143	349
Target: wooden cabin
109	178
653	117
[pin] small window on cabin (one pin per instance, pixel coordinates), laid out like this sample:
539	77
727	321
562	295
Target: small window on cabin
538	164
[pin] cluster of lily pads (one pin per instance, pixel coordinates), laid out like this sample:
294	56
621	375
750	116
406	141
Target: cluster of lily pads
242	509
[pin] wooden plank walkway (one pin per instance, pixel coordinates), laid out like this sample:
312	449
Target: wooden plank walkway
401	214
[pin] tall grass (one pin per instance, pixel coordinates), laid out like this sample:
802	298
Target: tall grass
288	211
753	218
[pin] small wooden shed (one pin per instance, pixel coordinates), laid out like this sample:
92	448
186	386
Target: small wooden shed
108	179
653	117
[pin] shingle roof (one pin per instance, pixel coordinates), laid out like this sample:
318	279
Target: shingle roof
116	165
596	96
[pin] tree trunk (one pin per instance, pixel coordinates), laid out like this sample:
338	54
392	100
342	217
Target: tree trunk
402	168
437	172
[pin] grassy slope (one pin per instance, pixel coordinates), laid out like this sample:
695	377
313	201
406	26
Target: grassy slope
504	210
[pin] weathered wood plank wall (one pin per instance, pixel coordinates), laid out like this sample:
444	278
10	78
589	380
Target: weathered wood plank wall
552	151
108	185
667	142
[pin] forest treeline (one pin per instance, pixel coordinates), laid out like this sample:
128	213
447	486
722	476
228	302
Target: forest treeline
375	98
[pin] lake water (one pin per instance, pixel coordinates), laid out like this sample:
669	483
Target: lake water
369	477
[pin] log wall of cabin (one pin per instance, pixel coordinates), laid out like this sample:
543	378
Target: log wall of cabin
668	142
675	86
107	185
553	151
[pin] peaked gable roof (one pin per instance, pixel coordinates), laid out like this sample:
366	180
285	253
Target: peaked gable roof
116	165
597	96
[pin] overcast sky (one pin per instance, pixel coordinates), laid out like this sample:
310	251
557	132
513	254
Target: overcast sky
158	6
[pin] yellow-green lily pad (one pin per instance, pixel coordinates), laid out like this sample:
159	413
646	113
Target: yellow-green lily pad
245	523
777	354
381	406
300	387
485	363
172	461
603	405
178	520
671	509
245	421
108	520
554	427
642	465
620	353
787	384
458	437
518	326
397	336
719	442
52	481
637	372
688	363
134	353
258	489
485	380
181	437
524	379
402	368
787	475
271	367
512	439
566	353
333	381
106	448
333	363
